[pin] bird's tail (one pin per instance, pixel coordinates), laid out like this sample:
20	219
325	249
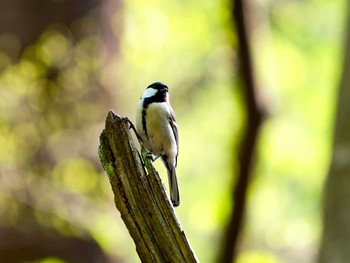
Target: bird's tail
173	187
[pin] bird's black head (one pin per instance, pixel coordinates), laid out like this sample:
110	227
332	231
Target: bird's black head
158	86
156	92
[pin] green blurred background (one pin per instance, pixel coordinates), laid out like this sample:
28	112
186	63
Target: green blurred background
64	64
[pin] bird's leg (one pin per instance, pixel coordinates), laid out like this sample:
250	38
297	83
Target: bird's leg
132	126
150	156
145	155
147	159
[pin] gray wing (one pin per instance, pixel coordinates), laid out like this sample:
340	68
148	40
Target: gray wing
175	132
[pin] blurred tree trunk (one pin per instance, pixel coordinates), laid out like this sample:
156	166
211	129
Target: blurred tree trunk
17	246
26	20
246	152
335	244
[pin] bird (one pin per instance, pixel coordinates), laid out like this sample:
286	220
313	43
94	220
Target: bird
157	128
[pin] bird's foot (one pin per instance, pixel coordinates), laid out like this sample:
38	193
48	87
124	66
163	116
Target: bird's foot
149	155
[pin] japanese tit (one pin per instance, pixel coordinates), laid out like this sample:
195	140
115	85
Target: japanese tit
156	126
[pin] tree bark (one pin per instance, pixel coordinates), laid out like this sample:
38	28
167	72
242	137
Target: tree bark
335	244
141	198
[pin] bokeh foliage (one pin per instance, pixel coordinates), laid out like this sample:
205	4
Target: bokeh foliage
55	94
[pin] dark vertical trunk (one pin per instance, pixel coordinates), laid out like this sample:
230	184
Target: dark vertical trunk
335	244
246	152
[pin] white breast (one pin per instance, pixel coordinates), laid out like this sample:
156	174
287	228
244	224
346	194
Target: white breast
161	138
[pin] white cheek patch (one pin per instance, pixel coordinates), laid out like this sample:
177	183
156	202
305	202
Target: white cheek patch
150	92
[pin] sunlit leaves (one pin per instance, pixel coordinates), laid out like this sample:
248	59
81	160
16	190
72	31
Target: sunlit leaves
46	120
257	257
53	48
